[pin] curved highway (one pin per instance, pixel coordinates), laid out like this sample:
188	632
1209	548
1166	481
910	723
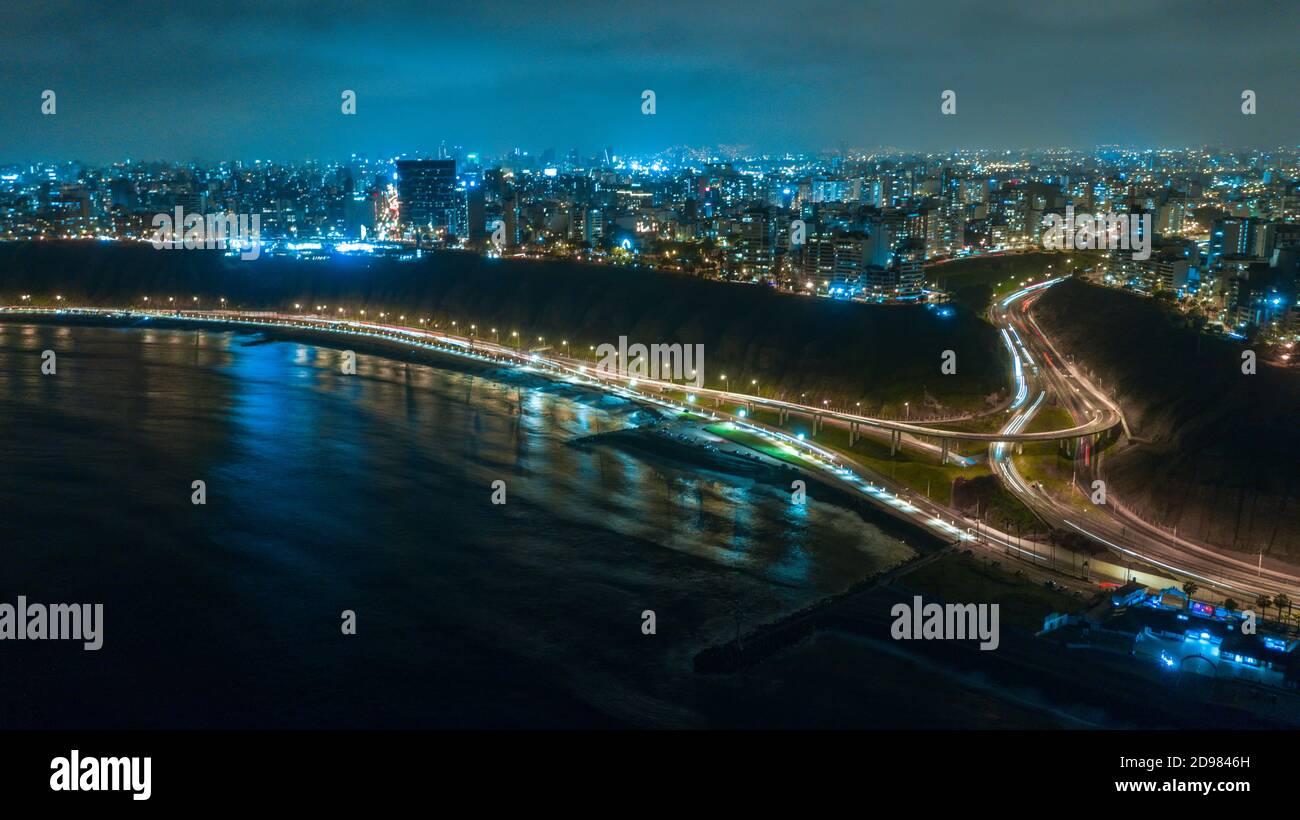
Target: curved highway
1100	423
1047	372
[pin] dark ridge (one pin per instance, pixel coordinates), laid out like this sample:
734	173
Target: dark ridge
1218	451
842	351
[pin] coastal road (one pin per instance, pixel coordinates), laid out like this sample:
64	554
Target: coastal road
1047	373
1036	366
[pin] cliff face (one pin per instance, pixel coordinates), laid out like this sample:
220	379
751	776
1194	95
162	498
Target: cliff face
845	352
1217	451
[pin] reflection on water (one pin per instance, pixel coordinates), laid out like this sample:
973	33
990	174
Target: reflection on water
371	492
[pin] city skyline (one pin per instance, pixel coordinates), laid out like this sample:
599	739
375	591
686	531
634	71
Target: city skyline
1212	232
529	153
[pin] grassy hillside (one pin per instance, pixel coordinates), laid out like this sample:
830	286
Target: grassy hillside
975	281
840	351
1219	451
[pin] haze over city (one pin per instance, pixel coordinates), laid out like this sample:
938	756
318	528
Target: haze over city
250	80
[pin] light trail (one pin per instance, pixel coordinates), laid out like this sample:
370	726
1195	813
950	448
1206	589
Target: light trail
1119	531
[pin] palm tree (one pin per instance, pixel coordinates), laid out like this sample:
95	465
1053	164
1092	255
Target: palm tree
1231	604
1281	601
1263	602
1190	588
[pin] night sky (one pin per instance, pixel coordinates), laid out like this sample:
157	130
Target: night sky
235	80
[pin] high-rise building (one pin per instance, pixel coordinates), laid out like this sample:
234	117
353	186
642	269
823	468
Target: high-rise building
756	245
359	214
817	256
476	213
1277	235
426	195
852	255
886	231
1234	236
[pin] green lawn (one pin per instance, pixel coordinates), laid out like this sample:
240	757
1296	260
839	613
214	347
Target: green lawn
1043	461
748	438
975	282
919	472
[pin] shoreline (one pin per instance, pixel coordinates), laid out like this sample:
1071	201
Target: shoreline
879	516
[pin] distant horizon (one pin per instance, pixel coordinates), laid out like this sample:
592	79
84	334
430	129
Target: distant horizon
852	152
245	79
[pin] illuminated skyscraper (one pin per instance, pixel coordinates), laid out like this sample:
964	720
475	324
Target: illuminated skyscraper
427	196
